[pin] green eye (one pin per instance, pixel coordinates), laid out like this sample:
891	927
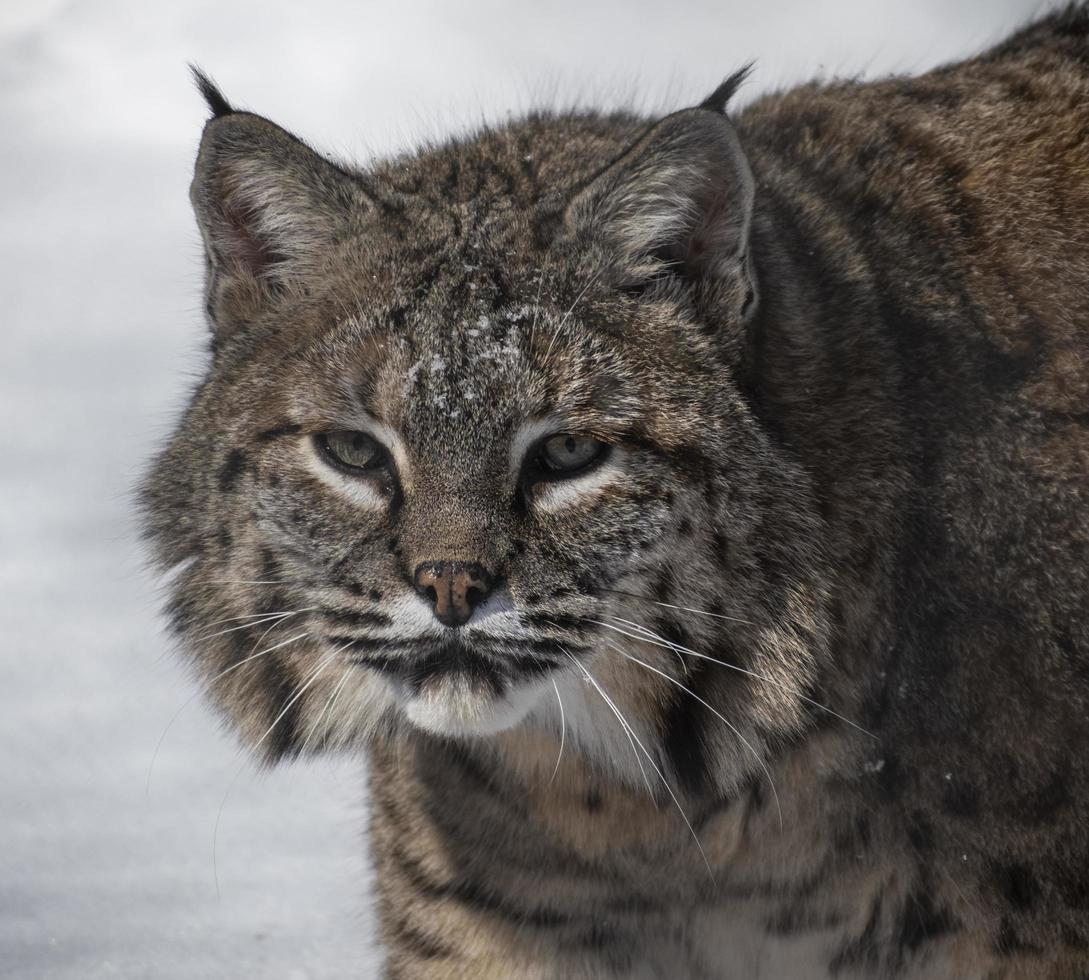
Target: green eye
353	450
566	454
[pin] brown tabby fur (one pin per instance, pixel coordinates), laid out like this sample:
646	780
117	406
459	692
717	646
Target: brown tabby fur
841	347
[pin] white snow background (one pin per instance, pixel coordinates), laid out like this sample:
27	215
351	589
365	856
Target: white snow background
102	337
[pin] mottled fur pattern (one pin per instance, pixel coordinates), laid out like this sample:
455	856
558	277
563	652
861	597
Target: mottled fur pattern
832	572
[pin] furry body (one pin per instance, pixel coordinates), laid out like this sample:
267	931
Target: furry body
839	350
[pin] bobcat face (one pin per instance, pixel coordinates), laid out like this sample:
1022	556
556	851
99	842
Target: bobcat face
451	498
456	442
415	497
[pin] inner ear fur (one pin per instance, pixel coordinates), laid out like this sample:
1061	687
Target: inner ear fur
269	209
677	207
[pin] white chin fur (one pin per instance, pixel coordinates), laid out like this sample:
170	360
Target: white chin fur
452	707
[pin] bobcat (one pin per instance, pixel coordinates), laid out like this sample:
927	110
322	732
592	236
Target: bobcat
686	516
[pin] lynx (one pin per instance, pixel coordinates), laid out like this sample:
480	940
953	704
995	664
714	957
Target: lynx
687	517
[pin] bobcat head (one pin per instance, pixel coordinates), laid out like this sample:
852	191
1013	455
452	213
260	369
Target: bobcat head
473	433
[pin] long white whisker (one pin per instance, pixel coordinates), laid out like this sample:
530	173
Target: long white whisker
563	730
624	725
328	704
655	640
336	695
688	609
718	714
262	615
661	775
244	626
196	694
310	678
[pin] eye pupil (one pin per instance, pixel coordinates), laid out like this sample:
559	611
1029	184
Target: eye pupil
569	454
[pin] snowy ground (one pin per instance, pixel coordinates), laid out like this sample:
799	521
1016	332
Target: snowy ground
99	275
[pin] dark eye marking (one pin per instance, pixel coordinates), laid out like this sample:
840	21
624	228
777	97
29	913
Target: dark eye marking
287	429
231	470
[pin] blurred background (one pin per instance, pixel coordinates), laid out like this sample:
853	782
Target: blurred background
106	861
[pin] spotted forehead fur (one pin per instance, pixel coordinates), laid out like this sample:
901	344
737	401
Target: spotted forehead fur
484	284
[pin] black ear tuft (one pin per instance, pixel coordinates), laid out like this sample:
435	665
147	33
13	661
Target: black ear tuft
212	95
720	97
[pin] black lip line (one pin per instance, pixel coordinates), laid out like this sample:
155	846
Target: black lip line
409	670
367	643
487	661
524	664
492	646
418	671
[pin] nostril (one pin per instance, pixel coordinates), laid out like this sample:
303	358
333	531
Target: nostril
475	596
429	579
428	592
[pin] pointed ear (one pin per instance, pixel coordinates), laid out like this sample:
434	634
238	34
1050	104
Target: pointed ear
269	209
675	211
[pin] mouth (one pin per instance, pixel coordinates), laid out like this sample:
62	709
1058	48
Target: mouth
454	687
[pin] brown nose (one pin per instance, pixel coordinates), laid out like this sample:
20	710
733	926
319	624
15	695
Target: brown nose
453	588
